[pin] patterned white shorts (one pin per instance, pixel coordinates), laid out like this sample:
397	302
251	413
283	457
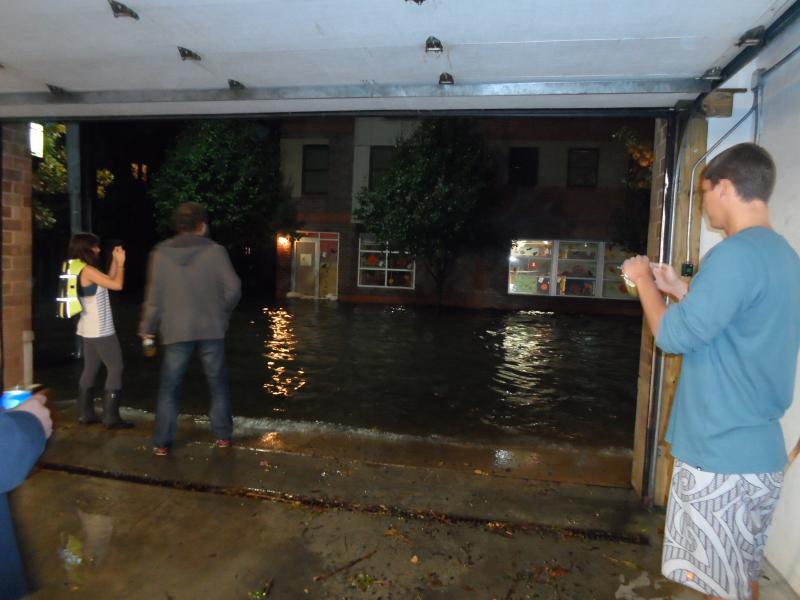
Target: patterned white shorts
716	529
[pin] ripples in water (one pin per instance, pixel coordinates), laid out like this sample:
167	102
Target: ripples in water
412	370
470	375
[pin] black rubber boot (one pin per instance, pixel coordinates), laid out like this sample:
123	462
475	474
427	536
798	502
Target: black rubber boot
111	418
86	414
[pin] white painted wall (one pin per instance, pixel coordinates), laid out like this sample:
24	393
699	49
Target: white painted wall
780	134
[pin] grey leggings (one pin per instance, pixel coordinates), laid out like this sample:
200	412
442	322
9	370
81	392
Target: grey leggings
106	351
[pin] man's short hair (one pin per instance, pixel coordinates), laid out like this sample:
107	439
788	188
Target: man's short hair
189	216
748	166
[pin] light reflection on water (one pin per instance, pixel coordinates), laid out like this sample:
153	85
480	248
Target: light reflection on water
280	352
468	374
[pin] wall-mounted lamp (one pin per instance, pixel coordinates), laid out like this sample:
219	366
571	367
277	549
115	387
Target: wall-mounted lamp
120	10
283	241
187	54
36	138
432	44
446	79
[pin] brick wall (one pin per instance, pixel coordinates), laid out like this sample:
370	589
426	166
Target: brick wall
17	246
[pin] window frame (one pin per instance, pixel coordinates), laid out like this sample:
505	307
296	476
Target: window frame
305	170
526	179
386	253
573	180
605	280
372	179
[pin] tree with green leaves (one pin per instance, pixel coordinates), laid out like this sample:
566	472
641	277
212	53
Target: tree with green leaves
233	168
431	202
50	178
630	220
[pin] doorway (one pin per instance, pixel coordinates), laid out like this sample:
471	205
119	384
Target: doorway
315	265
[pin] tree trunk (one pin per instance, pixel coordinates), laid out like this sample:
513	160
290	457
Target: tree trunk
439	294
439	274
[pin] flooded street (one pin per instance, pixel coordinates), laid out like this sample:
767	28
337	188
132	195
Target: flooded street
484	376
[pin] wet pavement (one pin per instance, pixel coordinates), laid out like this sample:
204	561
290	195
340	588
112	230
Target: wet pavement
287	516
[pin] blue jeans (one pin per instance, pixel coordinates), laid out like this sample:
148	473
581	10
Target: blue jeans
173	368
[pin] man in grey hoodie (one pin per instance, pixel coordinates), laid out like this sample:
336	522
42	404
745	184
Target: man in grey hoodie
191	293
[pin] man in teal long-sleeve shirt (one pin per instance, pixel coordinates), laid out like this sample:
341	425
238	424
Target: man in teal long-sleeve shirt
738	330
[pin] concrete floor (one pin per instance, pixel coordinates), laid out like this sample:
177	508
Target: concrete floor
103	518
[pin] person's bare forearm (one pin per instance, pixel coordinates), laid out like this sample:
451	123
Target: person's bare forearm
668	281
679	291
117	273
120	276
652	302
795	451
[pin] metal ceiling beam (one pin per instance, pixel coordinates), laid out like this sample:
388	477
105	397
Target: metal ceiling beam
789	16
339	92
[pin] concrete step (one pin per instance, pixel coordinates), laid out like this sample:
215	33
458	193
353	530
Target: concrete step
261	467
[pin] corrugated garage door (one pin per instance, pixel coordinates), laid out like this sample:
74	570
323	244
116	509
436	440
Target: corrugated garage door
779	132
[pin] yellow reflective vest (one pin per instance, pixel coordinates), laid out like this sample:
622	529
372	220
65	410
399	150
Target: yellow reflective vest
68	303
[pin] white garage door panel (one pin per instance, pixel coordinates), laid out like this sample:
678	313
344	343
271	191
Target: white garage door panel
780	134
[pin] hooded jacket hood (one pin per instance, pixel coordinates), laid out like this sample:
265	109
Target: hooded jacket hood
184	248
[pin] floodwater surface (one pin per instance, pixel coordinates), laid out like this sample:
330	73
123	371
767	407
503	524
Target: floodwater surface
480	376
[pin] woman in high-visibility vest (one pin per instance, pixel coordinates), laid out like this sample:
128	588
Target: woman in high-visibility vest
96	327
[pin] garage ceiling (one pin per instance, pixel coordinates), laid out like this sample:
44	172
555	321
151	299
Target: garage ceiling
76	59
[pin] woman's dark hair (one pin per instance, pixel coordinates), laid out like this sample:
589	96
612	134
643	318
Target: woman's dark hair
80	247
748	167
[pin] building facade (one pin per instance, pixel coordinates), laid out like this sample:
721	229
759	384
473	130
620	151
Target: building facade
563	198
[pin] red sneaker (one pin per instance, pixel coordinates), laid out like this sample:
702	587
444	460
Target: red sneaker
160	451
223	443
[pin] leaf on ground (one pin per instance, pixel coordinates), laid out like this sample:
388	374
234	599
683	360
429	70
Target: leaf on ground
414	560
364	581
627	563
479	472
556	571
544	573
392	532
500	527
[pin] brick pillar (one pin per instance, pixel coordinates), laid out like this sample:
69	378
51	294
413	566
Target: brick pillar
17	248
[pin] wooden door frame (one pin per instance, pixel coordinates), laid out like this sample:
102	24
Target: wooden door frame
679	140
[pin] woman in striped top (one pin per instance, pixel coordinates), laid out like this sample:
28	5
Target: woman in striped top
96	328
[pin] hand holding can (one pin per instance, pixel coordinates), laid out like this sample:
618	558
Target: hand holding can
31	403
13	398
148	347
